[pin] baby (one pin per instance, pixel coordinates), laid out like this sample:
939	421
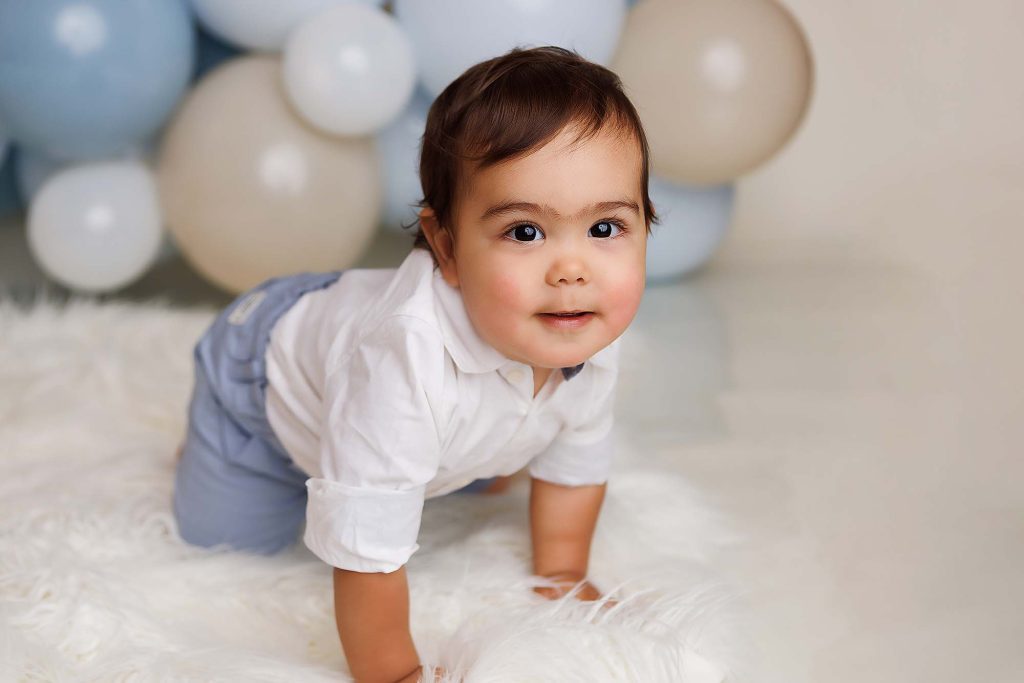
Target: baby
338	402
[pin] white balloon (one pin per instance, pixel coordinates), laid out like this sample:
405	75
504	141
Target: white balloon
349	70
260	24
96	226
694	221
449	36
32	169
399	148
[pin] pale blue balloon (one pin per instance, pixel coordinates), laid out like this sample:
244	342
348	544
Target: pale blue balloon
694	220
81	79
398	145
449	36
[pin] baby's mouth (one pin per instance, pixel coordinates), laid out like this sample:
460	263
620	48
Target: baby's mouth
568	314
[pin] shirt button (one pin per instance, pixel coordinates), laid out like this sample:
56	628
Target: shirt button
515	376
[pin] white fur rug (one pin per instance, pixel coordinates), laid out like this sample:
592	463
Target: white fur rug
96	585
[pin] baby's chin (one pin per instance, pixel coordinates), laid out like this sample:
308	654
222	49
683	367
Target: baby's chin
568	359
553	350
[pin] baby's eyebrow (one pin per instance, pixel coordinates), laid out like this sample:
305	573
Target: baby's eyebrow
512	206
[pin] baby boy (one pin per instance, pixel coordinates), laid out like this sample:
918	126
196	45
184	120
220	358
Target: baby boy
338	402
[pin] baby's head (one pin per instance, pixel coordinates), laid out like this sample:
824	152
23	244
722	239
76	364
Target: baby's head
534	170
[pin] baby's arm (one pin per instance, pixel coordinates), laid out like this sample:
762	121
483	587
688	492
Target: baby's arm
372	613
379	451
562	522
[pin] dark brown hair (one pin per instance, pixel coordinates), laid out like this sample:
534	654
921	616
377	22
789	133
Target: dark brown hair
511	105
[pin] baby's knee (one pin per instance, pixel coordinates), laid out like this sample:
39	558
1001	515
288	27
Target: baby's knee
259	536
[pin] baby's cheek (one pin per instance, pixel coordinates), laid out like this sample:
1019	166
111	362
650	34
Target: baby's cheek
498	308
622	302
507	293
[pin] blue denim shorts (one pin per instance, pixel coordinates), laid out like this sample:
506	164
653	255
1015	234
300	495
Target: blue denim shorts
235	485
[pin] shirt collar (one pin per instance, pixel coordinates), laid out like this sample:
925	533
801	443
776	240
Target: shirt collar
467	349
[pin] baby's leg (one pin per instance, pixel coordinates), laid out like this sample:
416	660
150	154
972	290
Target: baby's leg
232	487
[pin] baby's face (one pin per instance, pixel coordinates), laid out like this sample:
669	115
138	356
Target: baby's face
515	263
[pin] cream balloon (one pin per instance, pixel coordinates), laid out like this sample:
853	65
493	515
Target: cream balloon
251	192
96	227
349	70
720	85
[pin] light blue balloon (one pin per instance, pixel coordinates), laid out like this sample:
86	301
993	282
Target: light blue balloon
398	145
82	79
694	221
449	36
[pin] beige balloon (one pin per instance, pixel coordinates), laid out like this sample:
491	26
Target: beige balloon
251	192
720	85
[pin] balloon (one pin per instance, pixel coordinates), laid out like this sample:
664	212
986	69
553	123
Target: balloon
260	24
693	223
449	36
80	80
251	192
399	147
96	226
349	70
720	85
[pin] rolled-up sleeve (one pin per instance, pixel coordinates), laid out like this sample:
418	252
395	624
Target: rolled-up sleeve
581	454
379	449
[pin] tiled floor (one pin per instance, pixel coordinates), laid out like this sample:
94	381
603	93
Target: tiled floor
843	416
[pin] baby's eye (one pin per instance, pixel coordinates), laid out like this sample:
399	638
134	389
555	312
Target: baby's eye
605	227
528	233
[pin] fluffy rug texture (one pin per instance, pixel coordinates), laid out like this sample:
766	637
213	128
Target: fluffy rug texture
96	584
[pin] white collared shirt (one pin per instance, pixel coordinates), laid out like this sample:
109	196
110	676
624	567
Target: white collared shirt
381	390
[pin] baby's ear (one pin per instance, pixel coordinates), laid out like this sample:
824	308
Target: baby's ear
441	244
428	222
